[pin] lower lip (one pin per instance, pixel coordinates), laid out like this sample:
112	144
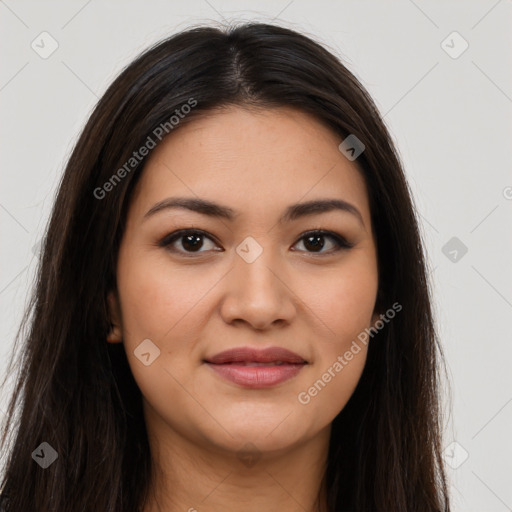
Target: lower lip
257	376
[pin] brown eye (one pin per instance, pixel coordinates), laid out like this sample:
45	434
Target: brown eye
186	241
314	241
190	242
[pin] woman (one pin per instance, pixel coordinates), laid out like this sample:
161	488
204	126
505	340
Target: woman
232	307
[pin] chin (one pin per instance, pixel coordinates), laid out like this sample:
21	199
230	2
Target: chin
267	432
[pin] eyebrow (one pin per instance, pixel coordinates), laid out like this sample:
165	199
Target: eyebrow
292	213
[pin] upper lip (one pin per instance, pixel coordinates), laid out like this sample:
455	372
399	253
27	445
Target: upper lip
248	354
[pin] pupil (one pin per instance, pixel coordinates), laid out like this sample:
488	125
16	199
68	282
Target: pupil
194	242
316	245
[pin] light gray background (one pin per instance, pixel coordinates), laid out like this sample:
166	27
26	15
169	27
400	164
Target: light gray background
450	118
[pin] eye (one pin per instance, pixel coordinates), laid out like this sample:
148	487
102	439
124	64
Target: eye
314	241
190	241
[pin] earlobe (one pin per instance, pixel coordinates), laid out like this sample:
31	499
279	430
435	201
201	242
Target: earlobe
375	318
115	334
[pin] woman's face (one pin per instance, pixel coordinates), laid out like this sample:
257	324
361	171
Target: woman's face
251	278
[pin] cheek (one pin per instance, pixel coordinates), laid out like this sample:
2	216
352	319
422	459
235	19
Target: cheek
170	306
159	298
162	304
344	300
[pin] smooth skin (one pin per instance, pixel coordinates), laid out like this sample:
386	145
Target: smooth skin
195	300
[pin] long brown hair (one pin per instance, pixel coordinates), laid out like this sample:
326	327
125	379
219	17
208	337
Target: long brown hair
75	391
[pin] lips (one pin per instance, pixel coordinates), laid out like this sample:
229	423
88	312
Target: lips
256	368
273	355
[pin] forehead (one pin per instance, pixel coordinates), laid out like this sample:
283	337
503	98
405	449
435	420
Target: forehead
255	160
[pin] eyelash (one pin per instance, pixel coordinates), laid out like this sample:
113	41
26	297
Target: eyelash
340	242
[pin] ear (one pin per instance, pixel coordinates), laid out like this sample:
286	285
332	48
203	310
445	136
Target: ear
375	317
116	333
379	307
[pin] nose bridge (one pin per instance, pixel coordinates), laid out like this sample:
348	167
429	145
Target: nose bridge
256	292
256	266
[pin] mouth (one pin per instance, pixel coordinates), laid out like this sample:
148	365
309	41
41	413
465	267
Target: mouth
255	363
256	368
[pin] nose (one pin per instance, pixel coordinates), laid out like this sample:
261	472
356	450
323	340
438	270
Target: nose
258	294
